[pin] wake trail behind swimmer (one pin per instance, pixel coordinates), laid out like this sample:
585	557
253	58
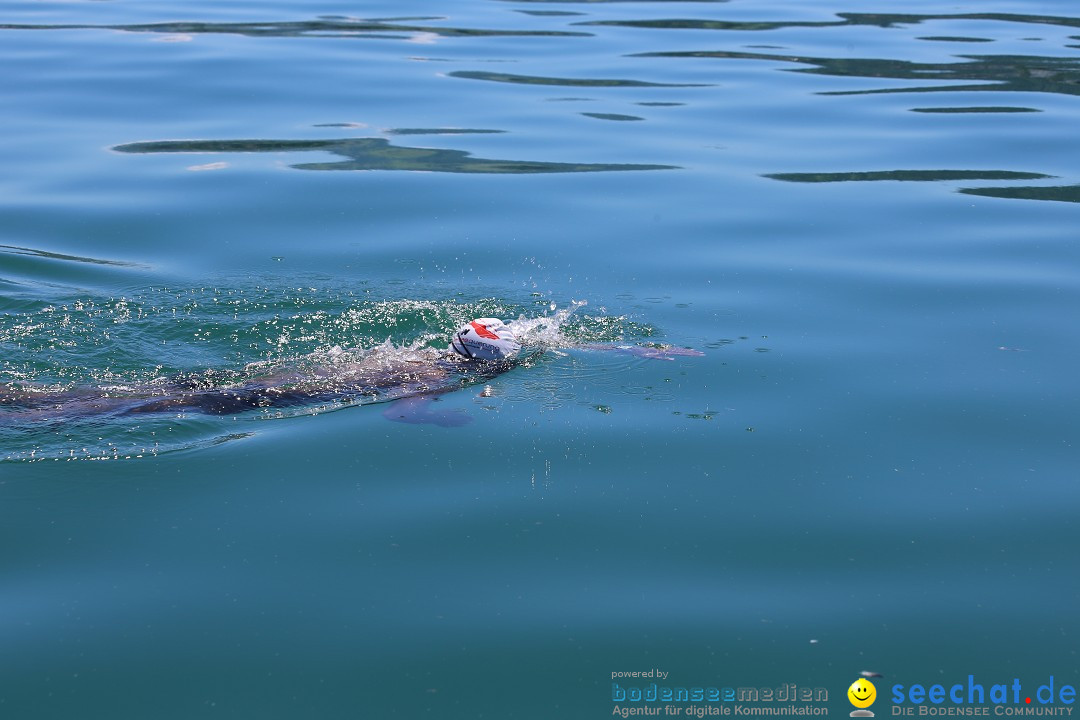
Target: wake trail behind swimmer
478	351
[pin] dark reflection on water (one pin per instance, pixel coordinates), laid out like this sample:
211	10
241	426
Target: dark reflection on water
882	20
1060	193
955	38
415	131
441	131
1024	73
959	73
907	175
997	73
379	154
613	116
564	82
976	109
322	27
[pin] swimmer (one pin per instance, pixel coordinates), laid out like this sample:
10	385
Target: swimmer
479	351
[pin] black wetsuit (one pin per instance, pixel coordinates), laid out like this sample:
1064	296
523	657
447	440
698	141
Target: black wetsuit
197	392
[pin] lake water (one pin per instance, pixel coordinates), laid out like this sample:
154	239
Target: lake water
864	215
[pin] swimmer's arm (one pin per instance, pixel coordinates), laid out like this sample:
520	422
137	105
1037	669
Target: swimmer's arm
653	352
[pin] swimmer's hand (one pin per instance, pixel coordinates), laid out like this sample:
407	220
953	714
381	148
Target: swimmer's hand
653	352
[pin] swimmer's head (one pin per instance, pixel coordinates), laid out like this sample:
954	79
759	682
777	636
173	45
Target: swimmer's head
485	339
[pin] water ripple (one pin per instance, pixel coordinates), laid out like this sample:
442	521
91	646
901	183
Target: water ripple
323	27
563	82
379	154
1028	73
976	109
1059	193
16	250
881	20
906	176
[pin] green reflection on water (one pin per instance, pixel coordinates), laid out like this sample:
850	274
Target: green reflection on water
1060	193
379	154
612	116
1022	73
323	27
882	20
907	176
976	109
955	39
564	82
998	73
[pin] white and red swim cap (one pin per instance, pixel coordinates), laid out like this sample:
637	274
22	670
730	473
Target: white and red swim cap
485	339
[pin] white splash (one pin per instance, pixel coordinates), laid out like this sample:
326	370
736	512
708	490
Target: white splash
546	332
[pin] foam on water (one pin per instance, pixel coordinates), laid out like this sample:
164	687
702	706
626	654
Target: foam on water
548	331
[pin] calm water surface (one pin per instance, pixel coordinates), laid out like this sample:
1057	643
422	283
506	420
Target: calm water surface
865	215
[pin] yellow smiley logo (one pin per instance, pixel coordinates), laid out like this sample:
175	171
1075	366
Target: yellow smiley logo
862	693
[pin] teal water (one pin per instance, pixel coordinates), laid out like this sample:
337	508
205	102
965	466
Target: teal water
864	215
